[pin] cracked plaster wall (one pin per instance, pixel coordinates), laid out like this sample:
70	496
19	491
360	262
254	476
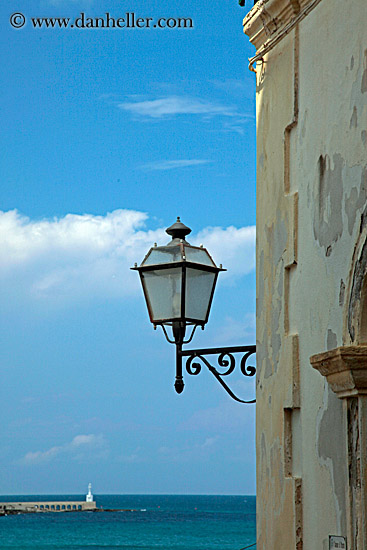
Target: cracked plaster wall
328	170
276	490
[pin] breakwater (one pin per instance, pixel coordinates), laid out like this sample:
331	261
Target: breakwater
46	506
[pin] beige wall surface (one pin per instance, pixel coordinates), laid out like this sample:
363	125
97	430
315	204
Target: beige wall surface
311	217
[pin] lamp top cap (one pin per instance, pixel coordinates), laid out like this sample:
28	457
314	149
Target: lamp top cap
178	230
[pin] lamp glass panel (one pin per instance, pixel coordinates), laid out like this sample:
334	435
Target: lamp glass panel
163	288
198	255
199	285
163	255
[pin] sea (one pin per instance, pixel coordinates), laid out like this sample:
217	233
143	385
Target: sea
153	522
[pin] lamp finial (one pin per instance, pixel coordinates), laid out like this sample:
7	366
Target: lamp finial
178	230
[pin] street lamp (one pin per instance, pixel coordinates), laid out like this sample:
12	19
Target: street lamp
178	282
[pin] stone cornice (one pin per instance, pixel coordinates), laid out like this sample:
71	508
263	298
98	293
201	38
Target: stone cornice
269	17
345	369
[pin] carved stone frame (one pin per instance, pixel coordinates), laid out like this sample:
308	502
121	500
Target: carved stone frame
345	369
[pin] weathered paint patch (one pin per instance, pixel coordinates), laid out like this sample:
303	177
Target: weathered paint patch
364	75
276	464
331	449
331	341
303	127
276	340
328	221
277	237
260	285
360	269
263	447
364	213
263	364
268	371
263	457
341	293
264	361
276	241
354	118
350	208
356	200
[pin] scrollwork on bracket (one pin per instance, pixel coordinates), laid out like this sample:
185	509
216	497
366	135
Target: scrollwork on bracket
226	359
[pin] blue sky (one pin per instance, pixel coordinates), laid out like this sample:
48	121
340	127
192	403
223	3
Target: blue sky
108	135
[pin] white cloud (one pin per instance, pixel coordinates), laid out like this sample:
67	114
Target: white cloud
233	330
81	447
81	440
209	442
237	88
77	255
85	256
172	164
39	457
231	117
232	247
177	105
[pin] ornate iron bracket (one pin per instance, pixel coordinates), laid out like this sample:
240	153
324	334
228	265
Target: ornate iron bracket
226	359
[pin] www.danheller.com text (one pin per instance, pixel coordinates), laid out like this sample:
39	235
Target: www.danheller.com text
130	20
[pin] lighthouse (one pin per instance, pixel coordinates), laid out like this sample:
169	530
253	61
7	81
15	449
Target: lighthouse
89	497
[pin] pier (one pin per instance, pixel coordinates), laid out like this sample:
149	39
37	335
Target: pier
50	505
46	506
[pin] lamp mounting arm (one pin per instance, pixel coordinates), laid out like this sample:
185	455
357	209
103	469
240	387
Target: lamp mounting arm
226	359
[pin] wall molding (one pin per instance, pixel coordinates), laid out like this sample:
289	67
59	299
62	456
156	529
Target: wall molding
270	21
345	369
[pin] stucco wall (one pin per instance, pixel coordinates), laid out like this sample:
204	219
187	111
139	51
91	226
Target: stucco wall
311	199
